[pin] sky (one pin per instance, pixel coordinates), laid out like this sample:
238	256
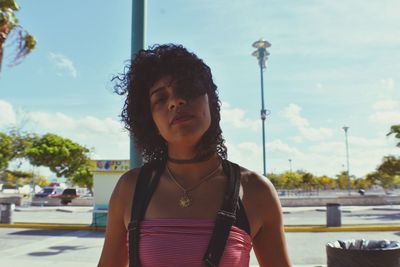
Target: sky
331	64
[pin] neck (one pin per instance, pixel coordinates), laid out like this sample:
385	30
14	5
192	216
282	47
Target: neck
194	170
196	159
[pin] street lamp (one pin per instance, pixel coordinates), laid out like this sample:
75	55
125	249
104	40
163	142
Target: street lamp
137	43
290	164
262	55
345	128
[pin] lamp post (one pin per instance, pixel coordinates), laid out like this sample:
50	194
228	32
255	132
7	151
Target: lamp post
345	128
262	55
291	173
137	43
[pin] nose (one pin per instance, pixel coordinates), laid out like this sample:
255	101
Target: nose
175	102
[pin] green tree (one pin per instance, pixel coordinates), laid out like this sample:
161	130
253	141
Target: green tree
63	156
395	129
382	179
308	180
326	182
21	142
342	180
276	180
6	151
10	30
20	178
83	177
361	183
42	181
292	179
373	178
386	173
390	165
397	181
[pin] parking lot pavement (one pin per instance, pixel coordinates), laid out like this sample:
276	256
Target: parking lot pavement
27	247
65	248
350	215
309	248
39	247
292	215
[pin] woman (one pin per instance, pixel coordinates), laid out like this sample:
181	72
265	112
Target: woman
173	111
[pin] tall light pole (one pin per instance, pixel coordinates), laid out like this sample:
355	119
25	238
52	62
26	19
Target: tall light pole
291	173
137	43
262	55
345	128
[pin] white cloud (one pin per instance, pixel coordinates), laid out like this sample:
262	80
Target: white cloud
387	104
249	155
385	117
388	83
110	141
386	111
364	155
292	113
367	143
87	124
278	147
297	139
235	118
8	116
63	64
105	135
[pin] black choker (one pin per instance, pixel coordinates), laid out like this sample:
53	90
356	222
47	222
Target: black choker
196	159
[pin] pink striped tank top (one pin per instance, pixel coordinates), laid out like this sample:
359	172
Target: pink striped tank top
183	242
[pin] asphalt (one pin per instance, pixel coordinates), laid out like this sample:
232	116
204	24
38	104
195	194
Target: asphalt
62	236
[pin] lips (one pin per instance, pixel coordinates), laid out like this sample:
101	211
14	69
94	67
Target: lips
181	117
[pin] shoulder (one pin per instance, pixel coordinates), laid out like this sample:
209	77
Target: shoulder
124	188
128	180
260	194
257	184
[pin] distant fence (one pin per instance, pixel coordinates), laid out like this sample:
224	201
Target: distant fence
333	192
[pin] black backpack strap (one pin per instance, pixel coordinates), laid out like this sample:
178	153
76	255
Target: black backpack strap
146	184
225	217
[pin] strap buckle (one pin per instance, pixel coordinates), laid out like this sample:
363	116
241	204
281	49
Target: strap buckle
227	215
209	262
133	225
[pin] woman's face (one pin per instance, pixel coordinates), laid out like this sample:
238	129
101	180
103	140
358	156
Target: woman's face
178	120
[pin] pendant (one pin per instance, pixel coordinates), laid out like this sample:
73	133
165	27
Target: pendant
185	201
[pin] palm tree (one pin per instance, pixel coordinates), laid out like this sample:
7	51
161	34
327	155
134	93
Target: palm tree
395	129
12	31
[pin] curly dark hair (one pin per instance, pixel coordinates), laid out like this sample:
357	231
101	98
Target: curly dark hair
191	76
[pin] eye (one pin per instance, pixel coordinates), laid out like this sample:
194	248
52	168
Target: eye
160	100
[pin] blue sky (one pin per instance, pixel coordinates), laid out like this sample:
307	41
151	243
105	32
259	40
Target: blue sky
332	63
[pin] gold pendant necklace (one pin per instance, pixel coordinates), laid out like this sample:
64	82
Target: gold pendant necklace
186	200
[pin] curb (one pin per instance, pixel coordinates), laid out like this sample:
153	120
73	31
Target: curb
386	209
345	228
53	226
288	229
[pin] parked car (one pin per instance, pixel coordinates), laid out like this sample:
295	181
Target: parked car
66	196
48	191
10	189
